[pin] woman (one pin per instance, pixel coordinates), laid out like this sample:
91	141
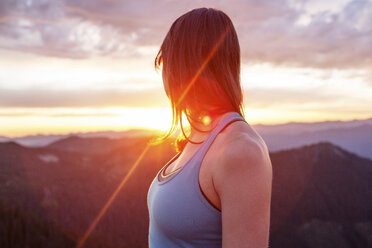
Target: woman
216	191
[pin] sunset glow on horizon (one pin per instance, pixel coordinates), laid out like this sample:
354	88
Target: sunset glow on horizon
82	72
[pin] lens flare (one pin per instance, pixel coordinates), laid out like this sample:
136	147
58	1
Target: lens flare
206	120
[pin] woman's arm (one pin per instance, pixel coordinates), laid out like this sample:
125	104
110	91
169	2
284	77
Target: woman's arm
243	181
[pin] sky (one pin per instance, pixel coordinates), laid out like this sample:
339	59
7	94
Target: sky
88	65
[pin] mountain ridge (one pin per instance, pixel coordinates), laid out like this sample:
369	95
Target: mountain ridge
315	187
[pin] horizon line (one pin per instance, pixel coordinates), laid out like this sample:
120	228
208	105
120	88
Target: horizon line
160	131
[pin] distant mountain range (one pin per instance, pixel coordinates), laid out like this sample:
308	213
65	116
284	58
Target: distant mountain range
357	139
355	136
322	194
41	140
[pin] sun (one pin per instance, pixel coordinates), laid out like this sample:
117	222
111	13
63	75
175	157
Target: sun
148	118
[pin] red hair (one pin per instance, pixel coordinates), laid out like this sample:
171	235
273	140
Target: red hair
200	56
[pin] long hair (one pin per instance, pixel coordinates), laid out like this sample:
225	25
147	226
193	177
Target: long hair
200	58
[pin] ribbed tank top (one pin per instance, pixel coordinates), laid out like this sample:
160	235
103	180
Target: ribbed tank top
180	215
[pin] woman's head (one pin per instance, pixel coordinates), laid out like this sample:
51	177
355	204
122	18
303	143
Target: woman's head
200	59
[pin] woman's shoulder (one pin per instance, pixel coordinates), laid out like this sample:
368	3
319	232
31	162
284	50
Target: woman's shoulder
243	152
241	137
243	182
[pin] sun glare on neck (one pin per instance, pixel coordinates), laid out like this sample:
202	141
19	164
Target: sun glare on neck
206	120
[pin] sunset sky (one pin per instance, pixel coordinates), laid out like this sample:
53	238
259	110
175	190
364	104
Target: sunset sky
88	65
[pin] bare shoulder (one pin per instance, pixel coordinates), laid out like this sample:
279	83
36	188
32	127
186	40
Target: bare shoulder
242	179
243	154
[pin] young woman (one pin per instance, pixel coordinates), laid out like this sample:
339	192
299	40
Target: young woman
216	191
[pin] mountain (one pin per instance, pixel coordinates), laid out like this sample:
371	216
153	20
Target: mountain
33	140
354	135
70	188
91	145
20	229
299	127
355	138
4	139
40	140
321	193
322	197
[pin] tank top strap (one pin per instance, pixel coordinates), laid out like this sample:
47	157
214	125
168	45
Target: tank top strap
234	116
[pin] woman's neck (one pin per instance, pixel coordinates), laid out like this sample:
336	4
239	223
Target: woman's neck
208	126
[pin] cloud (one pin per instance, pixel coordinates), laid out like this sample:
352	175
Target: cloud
53	28
153	97
330	40
60	115
267	98
269	31
52	98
